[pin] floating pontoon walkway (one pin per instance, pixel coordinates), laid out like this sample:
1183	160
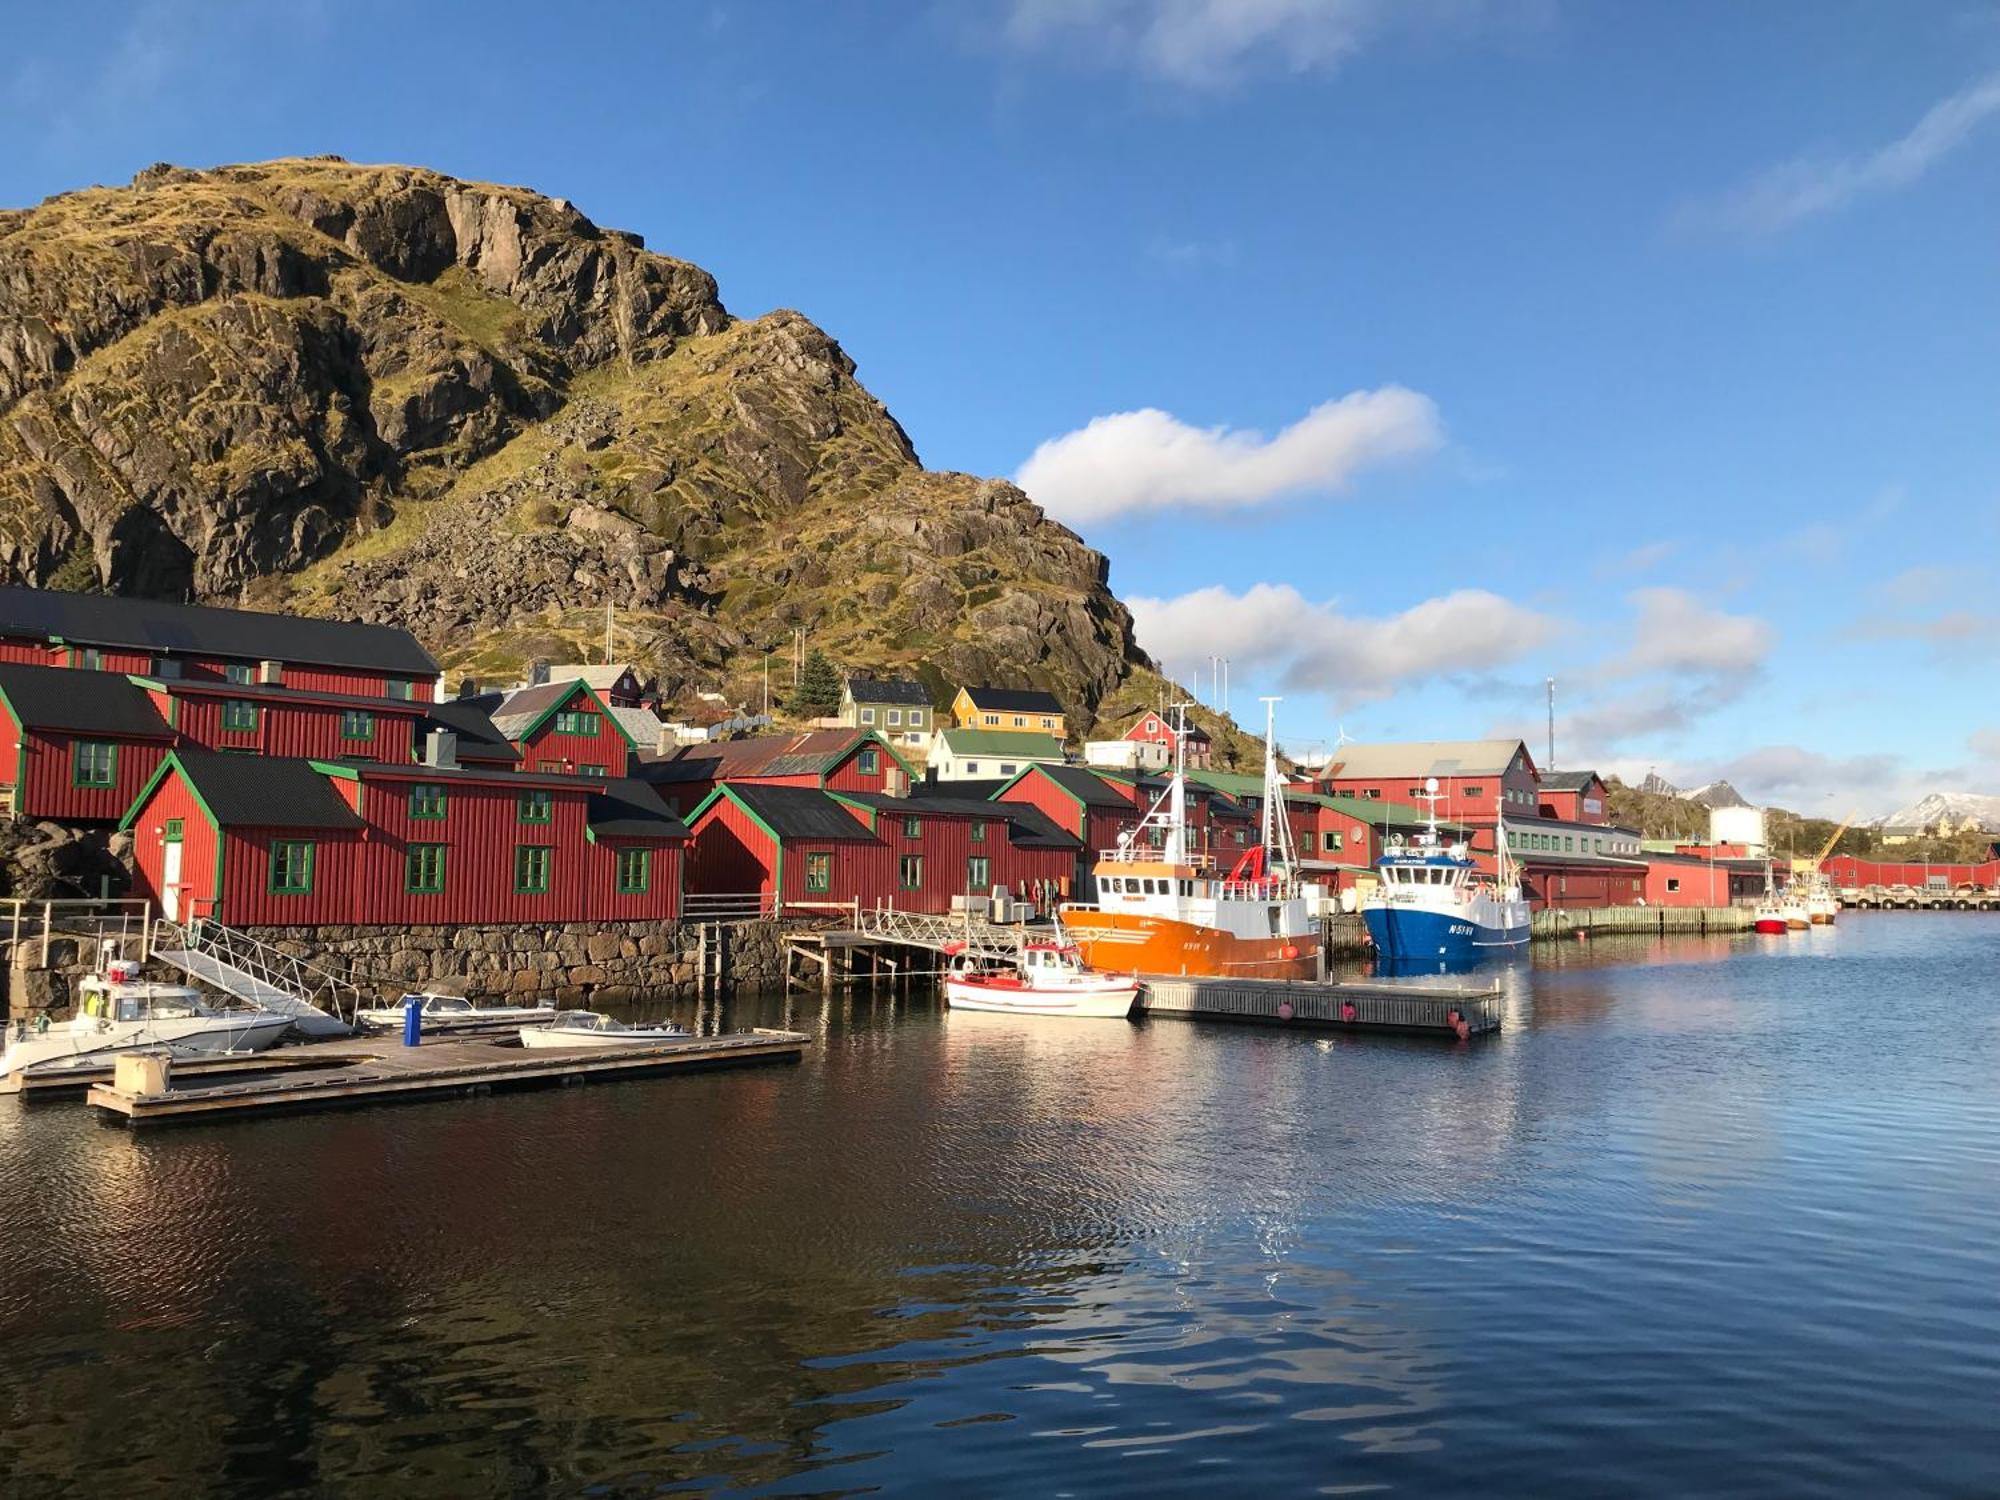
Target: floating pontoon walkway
1460	1010
390	1072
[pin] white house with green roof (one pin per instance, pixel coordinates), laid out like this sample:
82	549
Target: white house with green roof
990	754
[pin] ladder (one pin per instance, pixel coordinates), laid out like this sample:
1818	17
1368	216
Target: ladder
255	972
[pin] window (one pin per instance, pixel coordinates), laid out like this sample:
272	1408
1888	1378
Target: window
176	830
427	802
895	716
533	806
979	873
239	672
993	719
868	762
911	869
913	828
576	721
1474	791
978	833
868	716
593	771
916	718
1569	844
819	874
1673	884
531	869
635	871
291	867
357	724
397	688
1006	768
1334	840
1020	721
93	763
90	659
239	715
972	768
423	869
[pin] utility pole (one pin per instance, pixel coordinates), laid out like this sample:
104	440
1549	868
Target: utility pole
1225	684
609	615
1552	725
798	653
767	682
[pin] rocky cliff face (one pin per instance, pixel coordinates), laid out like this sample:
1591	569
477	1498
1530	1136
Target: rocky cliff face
385	393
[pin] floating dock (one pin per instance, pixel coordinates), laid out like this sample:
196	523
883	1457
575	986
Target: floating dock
1460	1010
385	1072
47	1083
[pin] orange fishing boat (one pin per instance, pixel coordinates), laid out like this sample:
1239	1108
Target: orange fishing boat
1164	908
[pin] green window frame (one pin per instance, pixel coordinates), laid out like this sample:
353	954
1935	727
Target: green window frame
868	762
357	724
93	763
911	872
532	866
978	833
239	716
176	831
535	805
635	871
979	873
291	867
397	688
578	721
913	828
819	873
240	673
592	771
427	802
423	869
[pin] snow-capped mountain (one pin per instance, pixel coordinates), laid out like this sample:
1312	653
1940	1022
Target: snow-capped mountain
1718	794
1954	808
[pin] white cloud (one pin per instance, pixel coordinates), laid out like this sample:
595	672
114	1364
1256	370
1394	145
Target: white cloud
1272	629
1149	459
1641	559
1810	186
1985	743
1209	44
1676	633
1820	785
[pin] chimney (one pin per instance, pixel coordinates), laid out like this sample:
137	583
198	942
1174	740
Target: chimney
468	688
538	672
441	750
271	673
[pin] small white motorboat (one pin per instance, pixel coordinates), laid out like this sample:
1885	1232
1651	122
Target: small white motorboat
447	1012
119	1014
1048	979
589	1028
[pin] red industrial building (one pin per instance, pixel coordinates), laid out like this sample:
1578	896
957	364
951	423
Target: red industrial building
1848	871
293	842
1477	779
1573	797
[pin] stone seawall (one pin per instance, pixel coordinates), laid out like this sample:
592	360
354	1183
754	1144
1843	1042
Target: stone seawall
575	963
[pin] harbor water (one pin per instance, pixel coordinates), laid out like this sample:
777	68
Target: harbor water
1714	1215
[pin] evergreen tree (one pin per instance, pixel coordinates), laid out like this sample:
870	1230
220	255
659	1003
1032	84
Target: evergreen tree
818	692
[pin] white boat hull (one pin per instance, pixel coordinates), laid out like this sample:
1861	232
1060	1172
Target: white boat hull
548	1036
1108	1001
205	1036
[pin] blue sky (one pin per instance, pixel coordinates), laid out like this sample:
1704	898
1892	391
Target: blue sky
1405	353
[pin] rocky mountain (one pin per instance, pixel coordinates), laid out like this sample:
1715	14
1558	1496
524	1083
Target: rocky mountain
385	393
1949	812
1718	794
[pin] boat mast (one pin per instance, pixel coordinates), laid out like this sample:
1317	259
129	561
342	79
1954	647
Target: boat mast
1277	827
1176	841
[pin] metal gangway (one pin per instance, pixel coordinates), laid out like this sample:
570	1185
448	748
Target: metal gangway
959	933
320	1003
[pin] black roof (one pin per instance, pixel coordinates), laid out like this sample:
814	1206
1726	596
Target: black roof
1568	781
270	692
799	812
478	739
888	690
628	809
265	791
975	788
84	701
152	625
1085	785
1027	826
1015	700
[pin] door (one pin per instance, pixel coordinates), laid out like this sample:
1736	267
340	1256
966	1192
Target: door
170	881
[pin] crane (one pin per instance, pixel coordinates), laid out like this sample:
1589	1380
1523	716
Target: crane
1845	824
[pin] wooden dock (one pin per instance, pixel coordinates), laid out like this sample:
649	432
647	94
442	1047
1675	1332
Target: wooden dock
1460	1010
54	1083
387	1072
1644	921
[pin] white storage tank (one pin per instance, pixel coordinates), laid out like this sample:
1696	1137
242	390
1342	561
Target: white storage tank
1737	825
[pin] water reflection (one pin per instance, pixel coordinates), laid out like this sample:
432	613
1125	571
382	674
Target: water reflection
1706	1213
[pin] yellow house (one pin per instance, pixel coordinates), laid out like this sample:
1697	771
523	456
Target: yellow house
1022	709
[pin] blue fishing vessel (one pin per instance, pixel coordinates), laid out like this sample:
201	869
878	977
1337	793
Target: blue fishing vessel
1431	903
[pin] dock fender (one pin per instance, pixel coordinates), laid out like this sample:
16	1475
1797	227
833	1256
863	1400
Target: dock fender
1284	1010
1348	1011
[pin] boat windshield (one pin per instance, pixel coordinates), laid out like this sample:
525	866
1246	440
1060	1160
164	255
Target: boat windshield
586	1020
446	1004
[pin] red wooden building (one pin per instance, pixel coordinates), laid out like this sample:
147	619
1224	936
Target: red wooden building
802	846
836	760
566	727
1153	728
154	639
292	842
289	720
76	746
1478	780
1574	797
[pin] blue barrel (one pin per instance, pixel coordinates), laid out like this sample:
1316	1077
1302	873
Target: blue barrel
413	1020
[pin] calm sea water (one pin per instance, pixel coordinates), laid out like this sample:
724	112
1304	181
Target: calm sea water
1711	1216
